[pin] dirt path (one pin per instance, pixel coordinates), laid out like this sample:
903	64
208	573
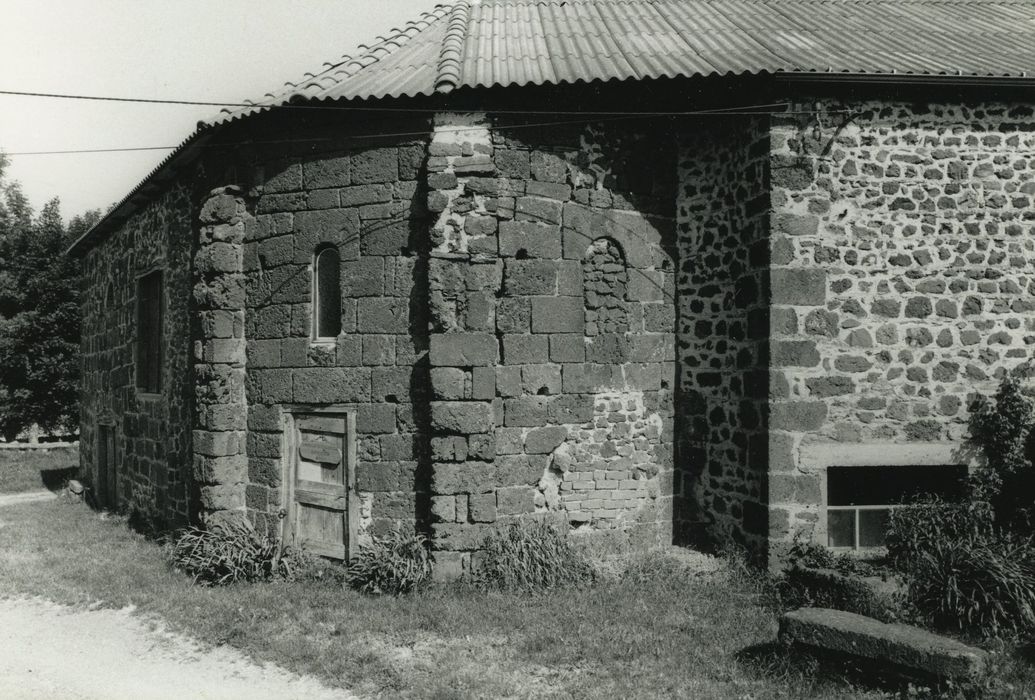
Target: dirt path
53	651
12	499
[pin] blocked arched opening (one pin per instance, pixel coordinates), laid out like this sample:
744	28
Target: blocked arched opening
605	284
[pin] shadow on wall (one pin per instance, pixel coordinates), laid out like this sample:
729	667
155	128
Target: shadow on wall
722	330
420	373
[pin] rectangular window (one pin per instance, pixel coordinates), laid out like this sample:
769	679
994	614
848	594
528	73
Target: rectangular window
149	333
859	499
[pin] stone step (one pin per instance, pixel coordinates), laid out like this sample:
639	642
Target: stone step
896	644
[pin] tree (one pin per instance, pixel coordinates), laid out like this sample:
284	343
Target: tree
39	314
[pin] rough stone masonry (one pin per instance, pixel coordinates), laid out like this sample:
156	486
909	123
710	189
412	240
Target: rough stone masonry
902	279
639	328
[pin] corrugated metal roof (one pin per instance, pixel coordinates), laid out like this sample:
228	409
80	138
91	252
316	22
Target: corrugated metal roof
474	43
481	43
403	64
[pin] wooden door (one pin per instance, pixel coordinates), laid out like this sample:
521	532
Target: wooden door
105	486
321	483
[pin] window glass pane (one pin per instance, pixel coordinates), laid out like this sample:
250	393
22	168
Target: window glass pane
888	485
841	528
328	294
873	525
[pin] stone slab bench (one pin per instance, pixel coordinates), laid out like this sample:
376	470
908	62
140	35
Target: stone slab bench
898	645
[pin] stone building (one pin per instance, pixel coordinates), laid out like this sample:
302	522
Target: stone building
648	268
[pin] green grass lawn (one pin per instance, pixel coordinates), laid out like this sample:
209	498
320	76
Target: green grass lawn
31	470
669	637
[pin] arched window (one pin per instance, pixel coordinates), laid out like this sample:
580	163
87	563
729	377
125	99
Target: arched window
326	294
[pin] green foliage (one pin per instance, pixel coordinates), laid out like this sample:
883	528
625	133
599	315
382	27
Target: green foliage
826	588
234	552
982	584
654	567
805	553
971	566
398	562
531	555
913	530
39	315
1002	429
817	577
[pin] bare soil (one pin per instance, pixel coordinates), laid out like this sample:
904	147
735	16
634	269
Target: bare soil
55	651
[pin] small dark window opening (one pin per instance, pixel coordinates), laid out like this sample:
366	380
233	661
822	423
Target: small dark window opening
149	332
859	499
109	308
327	294
106	468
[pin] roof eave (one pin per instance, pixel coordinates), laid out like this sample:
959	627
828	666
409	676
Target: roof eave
953	79
184	154
189	150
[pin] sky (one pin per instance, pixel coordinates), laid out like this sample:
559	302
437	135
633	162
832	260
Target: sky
196	50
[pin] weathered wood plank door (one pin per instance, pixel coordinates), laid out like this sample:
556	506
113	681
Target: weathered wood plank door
321	482
105	486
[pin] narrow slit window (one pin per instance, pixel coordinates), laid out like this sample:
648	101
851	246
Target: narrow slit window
149	333
327	294
859	499
109	308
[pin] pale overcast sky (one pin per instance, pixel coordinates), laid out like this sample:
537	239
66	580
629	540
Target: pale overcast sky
205	50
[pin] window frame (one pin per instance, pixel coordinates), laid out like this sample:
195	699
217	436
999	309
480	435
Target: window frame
818	457
315	335
142	386
855	547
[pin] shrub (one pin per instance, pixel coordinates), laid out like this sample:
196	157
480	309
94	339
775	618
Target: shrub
817	577
982	584
804	553
396	563
531	555
1002	430
913	530
231	552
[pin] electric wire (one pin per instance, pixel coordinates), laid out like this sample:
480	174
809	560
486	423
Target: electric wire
747	110
346	106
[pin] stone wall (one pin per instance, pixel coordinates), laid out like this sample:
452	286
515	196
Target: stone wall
509	313
532	417
364	195
152	432
902	278
722	283
220	462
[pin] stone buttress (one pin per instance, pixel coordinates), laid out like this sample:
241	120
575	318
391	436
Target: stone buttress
221	410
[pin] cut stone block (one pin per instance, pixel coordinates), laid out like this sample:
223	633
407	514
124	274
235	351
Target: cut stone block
901	645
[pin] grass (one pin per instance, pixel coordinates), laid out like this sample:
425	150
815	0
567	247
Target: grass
670	636
31	470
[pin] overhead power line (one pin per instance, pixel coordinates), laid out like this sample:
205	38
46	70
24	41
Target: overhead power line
370	108
748	110
87	150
